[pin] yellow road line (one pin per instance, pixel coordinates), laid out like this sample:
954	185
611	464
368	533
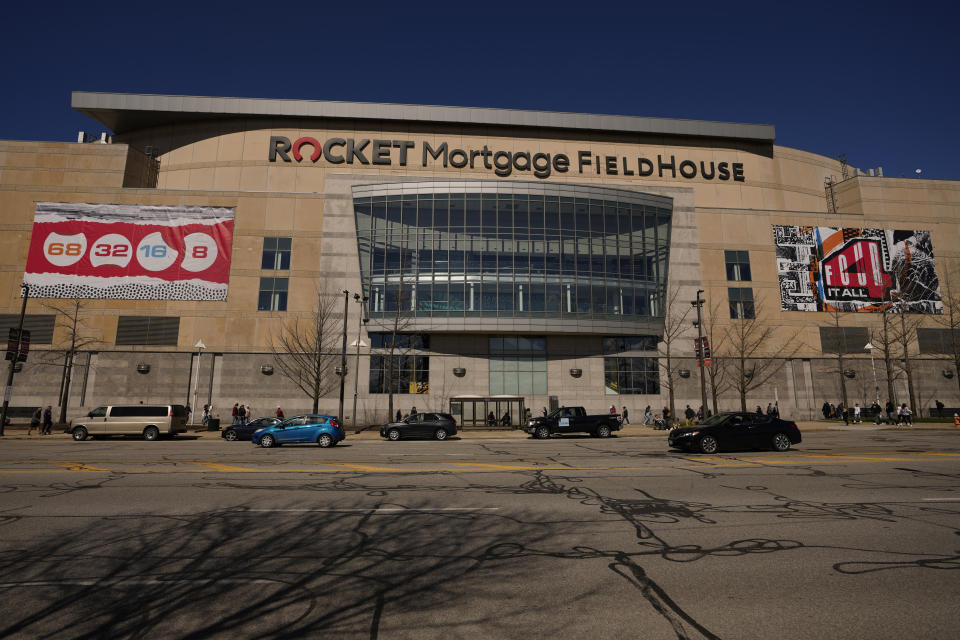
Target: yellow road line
505	467
221	467
79	466
360	467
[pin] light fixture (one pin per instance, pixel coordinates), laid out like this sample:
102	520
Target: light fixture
849	373
459	372
143	367
266	369
576	373
684	373
947	373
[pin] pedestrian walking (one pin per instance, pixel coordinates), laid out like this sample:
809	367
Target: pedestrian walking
47	421
770	409
399	416
35	421
647	416
249	413
856	413
543	412
527	415
889	410
279	413
939	409
236	413
689	415
825	410
776	408
189	412
906	414
844	413
613	409
205	417
242	414
626	416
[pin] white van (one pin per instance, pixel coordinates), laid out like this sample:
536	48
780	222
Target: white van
147	420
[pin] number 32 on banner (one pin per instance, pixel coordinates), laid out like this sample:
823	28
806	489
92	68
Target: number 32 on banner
112	248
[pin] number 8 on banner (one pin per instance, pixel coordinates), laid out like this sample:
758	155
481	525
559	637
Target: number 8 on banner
201	252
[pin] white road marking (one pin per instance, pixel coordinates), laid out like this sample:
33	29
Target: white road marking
130	581
941	499
376	510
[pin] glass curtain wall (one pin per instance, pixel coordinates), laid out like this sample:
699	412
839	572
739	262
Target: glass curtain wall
449	253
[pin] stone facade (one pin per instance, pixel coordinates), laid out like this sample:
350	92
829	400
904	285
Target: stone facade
224	162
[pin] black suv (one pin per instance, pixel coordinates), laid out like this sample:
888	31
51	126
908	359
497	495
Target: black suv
421	425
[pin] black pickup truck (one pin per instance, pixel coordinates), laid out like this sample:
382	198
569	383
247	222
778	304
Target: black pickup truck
573	420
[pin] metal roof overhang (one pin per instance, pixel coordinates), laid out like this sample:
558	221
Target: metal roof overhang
125	112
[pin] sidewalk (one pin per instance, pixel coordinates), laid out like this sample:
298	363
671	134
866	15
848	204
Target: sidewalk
19	432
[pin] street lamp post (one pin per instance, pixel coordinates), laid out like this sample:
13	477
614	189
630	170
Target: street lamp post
8	390
196	381
698	303
876	387
356	365
343	353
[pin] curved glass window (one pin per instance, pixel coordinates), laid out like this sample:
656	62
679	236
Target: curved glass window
512	249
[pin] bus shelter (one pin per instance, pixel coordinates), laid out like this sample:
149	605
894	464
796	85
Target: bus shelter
474	412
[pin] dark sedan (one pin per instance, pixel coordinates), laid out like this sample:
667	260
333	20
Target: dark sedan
245	431
439	426
736	431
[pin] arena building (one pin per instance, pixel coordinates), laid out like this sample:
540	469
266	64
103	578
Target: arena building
513	259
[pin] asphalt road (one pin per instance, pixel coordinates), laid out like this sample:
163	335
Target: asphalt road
850	535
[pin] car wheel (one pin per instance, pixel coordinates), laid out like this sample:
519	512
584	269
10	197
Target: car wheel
709	444
543	433
781	442
267	441
230	435
79	434
394	434
603	431
325	440
441	434
151	433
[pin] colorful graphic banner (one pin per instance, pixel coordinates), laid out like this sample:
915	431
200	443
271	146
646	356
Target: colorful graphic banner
130	252
861	270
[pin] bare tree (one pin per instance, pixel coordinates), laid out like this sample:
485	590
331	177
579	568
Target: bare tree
842	348
904	330
950	320
77	336
884	339
307	348
399	302
675	314
754	355
717	376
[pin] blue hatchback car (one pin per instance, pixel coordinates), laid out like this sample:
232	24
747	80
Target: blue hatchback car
322	430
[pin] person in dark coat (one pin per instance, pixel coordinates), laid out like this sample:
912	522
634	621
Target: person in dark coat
36	421
47	421
825	410
399	415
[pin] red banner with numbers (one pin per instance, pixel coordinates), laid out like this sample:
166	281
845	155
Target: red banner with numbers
130	252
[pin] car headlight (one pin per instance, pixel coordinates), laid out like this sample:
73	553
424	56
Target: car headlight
258	430
690	433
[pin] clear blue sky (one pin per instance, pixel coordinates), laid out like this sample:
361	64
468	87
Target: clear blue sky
877	82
